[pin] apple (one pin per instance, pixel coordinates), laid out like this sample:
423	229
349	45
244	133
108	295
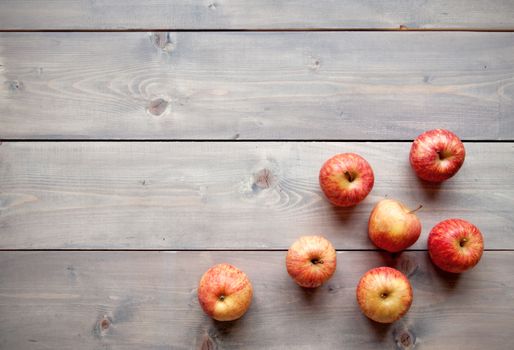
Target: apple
384	294
225	292
455	245
437	155
346	179
311	261
392	226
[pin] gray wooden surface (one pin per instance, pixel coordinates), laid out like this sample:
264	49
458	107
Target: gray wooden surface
273	85
132	74
147	300
263	14
238	195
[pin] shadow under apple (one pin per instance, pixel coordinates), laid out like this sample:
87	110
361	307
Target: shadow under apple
432	190
379	330
343	214
449	280
398	334
404	261
310	295
220	332
353	217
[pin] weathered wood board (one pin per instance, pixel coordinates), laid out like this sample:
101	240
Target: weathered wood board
272	85
228	195
147	300
263	14
128	228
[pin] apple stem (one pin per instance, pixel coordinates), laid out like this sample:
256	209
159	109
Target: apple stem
415	210
317	261
348	176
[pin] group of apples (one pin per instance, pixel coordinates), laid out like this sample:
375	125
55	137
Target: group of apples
384	294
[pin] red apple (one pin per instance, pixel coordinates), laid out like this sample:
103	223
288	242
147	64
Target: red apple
384	294
346	179
311	261
455	245
437	155
392	226
225	292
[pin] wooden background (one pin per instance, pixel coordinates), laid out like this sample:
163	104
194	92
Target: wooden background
143	142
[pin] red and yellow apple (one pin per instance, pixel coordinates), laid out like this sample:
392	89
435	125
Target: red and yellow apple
392	226
437	155
346	179
225	292
384	294
311	261
455	245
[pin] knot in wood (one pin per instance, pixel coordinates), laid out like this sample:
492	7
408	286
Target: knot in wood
14	85
263	179
162	41
408	265
404	339
207	343
102	326
315	63
157	107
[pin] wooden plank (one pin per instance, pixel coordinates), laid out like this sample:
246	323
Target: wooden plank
285	85
58	300
219	195
264	14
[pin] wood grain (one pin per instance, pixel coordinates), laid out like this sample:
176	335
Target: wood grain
273	85
263	14
147	300
226	195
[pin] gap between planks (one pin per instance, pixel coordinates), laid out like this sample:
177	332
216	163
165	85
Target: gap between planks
271	250
401	28
233	140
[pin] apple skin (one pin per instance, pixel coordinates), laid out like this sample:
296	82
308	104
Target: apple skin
346	179
384	294
392	226
455	245
436	155
225	292
311	261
